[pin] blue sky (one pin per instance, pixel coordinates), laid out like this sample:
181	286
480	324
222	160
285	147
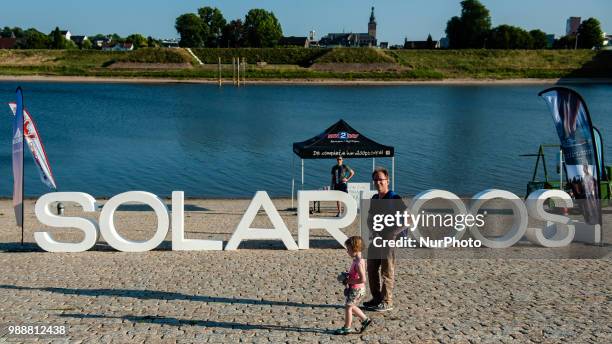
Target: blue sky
396	18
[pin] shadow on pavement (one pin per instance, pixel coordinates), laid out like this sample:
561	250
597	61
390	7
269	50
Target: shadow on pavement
164	295
18	247
101	246
205	323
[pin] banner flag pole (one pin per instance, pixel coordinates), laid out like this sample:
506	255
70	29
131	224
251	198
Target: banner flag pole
17	153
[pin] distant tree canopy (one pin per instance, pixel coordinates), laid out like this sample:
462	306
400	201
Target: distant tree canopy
213	22
540	41
262	29
138	40
509	37
590	34
34	39
15	32
209	28
233	34
471	28
191	29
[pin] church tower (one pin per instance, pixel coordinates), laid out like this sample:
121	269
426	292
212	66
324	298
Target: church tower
372	24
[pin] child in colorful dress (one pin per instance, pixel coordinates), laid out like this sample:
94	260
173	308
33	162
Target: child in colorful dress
355	287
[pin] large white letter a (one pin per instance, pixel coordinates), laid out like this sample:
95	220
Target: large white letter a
245	232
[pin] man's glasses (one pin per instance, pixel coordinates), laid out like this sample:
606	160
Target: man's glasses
380	180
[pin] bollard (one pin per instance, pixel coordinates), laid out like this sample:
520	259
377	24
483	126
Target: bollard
60	208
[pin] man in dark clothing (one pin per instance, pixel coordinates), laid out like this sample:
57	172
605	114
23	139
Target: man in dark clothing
381	261
341	174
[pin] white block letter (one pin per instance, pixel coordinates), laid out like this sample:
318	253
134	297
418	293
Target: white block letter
179	243
331	224
426	196
558	227
109	232
45	216
245	232
519	224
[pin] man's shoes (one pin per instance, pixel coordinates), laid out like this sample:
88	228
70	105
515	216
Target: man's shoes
370	304
382	307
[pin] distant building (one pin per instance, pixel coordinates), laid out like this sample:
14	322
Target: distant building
607	40
421	44
384	45
169	43
101	42
66	34
444	43
312	39
347	40
572	25
352	39
372	24
78	40
294	41
8	43
119	47
550	41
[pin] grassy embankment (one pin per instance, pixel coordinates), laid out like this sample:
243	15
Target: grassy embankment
297	63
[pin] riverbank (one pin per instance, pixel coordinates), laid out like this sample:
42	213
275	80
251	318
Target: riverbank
262	293
302	65
331	82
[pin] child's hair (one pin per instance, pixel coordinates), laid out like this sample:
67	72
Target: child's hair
355	243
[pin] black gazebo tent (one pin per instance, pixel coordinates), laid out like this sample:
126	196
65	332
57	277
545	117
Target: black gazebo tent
342	140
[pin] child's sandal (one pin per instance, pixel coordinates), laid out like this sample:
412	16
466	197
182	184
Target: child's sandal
343	331
365	324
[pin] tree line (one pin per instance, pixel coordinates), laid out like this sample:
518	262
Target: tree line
34	39
208	28
472	30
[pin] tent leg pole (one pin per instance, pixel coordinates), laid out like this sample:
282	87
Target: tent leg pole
292	179
373	168
292	191
393	173
302	174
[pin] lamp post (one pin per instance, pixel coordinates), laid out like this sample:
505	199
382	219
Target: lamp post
576	46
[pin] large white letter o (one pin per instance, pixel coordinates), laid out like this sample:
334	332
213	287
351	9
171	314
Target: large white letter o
109	232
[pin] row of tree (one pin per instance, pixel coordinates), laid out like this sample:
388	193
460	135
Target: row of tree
208	28
34	39
473	30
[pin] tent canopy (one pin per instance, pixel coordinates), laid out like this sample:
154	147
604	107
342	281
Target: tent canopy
341	140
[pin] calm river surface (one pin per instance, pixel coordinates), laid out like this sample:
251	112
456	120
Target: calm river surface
105	139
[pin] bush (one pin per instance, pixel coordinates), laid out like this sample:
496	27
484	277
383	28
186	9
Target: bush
289	56
156	55
356	55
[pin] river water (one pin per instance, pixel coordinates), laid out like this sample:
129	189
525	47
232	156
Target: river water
105	139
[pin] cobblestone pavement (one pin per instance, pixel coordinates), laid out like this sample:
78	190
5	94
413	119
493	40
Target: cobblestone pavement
262	293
